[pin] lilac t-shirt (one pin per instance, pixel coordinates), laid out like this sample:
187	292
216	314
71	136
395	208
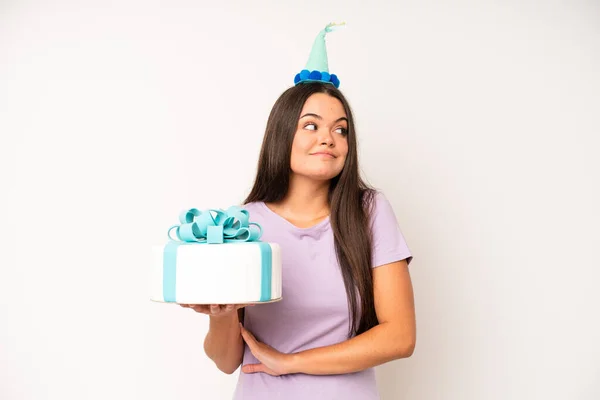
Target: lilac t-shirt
314	308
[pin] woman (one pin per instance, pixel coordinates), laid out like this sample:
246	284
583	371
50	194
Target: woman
347	295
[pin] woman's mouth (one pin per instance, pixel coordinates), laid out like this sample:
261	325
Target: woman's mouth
323	154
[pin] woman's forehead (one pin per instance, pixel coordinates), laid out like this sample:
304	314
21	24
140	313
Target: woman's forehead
324	105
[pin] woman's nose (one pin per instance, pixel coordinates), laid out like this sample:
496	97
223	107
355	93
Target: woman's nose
326	139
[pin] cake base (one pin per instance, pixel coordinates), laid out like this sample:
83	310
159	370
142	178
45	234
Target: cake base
249	302
226	273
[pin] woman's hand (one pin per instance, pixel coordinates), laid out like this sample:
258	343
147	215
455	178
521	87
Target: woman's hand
215	310
272	361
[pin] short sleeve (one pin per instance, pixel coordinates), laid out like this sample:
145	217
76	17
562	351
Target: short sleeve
389	244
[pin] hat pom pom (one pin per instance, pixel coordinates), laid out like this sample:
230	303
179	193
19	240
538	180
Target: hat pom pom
334	79
304	74
315	76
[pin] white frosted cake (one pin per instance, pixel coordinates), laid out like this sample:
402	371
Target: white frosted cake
217	258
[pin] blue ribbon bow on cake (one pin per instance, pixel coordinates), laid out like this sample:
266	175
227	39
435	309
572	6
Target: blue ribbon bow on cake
216	226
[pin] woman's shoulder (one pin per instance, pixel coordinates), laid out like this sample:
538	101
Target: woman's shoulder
374	199
380	209
252	206
255	209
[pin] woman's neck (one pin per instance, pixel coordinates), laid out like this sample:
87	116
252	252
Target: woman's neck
306	200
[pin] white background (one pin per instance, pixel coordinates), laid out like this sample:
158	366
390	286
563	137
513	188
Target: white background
479	120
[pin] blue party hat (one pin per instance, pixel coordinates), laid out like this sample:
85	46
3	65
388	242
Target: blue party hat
317	67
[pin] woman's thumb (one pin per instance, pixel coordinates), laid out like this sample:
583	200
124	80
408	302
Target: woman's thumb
252	368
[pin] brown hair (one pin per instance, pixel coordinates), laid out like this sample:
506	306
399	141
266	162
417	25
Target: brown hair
350	198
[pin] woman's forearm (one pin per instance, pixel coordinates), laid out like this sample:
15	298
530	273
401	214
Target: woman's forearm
378	345
223	343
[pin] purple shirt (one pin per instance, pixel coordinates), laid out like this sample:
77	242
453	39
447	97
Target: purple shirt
314	308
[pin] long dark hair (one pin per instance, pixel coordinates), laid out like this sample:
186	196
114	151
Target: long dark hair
350	198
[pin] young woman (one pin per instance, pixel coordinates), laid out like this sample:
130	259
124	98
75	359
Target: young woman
347	295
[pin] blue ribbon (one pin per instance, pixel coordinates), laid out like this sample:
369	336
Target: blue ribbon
214	226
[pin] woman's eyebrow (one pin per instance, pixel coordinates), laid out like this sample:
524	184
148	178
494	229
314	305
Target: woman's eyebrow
311	115
319	117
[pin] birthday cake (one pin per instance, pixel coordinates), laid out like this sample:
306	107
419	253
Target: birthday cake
216	257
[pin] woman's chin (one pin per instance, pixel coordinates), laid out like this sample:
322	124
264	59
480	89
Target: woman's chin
320	175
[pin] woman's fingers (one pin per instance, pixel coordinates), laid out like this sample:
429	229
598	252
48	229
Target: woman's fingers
220	309
215	309
201	308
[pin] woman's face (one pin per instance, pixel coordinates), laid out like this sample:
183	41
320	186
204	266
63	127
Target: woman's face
320	144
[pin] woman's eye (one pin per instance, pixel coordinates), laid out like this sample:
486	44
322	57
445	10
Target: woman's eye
310	127
341	130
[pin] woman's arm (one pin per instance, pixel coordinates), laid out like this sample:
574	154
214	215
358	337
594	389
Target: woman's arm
223	343
393	338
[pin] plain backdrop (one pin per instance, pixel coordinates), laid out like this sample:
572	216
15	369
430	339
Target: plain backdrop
479	120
